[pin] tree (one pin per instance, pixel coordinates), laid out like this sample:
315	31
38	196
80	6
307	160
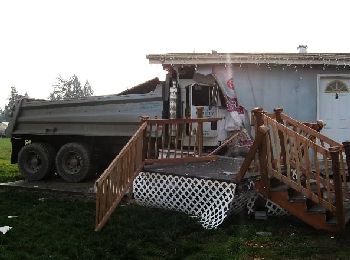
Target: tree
70	89
87	90
2	115
13	99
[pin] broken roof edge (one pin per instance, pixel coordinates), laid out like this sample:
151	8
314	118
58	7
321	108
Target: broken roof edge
340	59
143	88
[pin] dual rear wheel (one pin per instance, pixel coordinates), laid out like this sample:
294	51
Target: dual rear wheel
72	162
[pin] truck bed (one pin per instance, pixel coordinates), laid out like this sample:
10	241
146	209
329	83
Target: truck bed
112	115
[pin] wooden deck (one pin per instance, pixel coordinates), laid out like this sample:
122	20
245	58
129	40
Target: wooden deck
222	169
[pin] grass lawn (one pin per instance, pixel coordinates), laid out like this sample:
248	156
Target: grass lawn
8	172
49	226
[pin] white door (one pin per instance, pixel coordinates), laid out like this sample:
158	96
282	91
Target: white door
334	106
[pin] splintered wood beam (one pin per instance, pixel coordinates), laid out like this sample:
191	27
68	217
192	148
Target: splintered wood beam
227	141
251	154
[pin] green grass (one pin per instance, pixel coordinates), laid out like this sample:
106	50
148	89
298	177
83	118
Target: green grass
8	172
63	228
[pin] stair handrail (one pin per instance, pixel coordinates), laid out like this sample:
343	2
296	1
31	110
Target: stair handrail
302	146
117	179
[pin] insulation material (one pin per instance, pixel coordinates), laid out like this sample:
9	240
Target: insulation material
237	114
209	200
5	229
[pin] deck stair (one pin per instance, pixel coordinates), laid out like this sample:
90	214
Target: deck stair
301	170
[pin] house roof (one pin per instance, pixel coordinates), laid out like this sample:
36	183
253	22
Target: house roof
142	88
339	59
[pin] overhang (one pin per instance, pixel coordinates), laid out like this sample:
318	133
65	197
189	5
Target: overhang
337	59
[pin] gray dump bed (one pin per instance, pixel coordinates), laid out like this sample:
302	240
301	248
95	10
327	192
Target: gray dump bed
111	115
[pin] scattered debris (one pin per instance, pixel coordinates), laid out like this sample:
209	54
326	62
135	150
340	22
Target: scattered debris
5	229
41	199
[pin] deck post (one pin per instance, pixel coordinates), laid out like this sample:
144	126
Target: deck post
346	146
200	131
340	214
144	144
262	150
278	111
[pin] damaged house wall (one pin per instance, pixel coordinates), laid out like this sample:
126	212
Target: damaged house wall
294	89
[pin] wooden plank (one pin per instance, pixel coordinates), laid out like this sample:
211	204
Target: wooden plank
339	199
176	139
277	151
156	142
169	140
163	141
308	167
279	119
226	142
189	138
265	162
183	126
326	169
287	153
250	156
149	141
318	172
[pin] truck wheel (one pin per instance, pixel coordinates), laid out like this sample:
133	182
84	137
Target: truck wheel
73	162
35	161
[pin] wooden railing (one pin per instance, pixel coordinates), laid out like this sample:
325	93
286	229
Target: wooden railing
298	155
306	161
176	140
156	141
116	180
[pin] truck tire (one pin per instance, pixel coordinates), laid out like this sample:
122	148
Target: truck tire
73	162
36	161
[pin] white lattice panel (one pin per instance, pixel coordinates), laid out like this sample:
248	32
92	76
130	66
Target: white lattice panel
272	209
210	201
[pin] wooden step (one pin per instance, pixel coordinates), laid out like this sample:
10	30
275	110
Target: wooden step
299	210
283	187
297	198
316	209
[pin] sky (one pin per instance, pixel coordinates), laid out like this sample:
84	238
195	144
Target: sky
106	42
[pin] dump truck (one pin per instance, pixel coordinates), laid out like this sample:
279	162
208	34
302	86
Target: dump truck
77	139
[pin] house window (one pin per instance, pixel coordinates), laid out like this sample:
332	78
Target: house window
336	86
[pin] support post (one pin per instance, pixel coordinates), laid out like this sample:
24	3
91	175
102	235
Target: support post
144	144
262	150
278	111
251	154
257	120
200	131
263	161
340	214
346	146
